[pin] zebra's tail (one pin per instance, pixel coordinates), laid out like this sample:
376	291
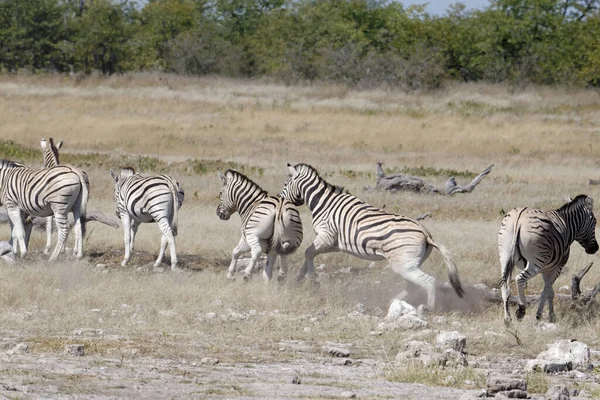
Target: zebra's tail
84	196
175	218
285	219
452	270
510	264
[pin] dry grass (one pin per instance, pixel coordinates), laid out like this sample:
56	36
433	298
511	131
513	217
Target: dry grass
542	142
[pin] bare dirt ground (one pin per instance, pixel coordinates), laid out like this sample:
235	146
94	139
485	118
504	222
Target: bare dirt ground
153	333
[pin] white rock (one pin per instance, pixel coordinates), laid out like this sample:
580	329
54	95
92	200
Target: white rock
451	340
6	252
546	327
561	356
399	308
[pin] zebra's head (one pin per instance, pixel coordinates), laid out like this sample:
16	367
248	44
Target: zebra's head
291	188
226	205
586	223
50	151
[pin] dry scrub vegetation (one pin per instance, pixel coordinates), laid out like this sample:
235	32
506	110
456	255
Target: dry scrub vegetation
144	327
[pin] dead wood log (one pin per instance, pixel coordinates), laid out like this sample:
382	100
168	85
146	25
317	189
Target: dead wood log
594	181
40	222
401	182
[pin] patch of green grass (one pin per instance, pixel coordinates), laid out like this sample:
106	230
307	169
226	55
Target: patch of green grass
537	382
422	171
10	150
202	167
348	173
436	376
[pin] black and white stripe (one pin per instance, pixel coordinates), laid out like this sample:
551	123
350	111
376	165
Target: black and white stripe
343	222
41	193
539	241
270	224
50	153
148	199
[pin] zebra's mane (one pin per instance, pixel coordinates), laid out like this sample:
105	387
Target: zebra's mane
240	176
572	204
335	188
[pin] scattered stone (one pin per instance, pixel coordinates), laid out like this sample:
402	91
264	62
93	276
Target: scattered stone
426	354
451	340
337	352
399	308
296	381
306	329
421	311
453	358
343	362
211	315
101	266
564	289
558	392
439	320
546	327
480	286
500	384
512	394
209	361
348	394
6	252
75	350
95	310
19	348
562	356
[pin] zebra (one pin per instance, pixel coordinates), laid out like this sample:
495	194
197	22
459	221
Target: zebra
539	241
148	199
50	153
270	224
343	222
40	193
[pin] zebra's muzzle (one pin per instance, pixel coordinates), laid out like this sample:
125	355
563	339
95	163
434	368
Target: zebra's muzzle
592	249
222	214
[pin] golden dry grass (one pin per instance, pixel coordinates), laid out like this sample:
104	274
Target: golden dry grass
542	141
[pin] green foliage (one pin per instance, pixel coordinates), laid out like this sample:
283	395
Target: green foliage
12	151
362	43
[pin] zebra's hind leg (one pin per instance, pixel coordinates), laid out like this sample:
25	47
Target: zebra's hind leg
529	272
407	263
165	228
62	227
48	235
241	248
549	279
126	221
77	227
255	251
17	231
268	272
161	252
283	270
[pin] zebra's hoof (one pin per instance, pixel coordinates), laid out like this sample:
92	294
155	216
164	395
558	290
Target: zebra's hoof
124	263
247	277
552	318
230	277
520	312
281	279
507	322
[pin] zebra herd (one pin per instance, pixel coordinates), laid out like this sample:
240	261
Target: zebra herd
532	240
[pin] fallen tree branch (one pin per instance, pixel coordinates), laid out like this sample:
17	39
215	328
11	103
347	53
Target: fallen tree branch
398	182
40	222
594	181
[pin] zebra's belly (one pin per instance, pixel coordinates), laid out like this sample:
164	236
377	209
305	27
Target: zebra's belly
370	254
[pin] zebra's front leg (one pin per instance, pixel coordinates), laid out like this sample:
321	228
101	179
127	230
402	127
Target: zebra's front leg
549	279
126	221
241	248
134	228
268	272
48	235
323	244
62	228
529	272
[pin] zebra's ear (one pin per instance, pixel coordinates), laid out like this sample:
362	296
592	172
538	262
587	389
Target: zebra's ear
43	143
568	199
222	177
589	202
59	145
114	176
292	170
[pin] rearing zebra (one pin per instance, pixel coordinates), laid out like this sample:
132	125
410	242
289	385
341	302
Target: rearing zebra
40	193
51	159
345	223
270	224
539	241
148	199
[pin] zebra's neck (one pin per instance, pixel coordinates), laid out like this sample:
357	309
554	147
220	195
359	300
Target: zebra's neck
315	193
246	202
570	219
50	159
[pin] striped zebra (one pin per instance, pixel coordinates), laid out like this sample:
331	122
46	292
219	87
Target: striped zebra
41	193
148	199
342	222
50	153
539	241
270	224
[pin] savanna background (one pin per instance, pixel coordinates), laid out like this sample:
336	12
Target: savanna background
189	88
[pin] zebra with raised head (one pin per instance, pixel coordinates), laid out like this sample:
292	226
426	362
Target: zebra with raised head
539	241
148	199
270	225
50	153
41	193
343	222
